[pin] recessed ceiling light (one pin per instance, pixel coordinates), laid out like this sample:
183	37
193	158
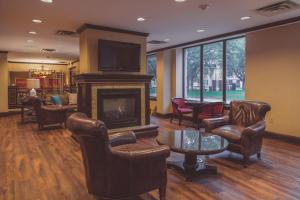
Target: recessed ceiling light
32	32
245	18
180	1
167	40
47	1
140	19
200	30
38	21
30	41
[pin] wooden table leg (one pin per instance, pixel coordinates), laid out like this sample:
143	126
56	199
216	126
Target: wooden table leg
191	167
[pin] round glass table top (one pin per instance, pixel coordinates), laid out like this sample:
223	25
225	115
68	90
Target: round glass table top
193	141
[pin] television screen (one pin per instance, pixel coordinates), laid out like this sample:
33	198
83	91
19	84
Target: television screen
119	56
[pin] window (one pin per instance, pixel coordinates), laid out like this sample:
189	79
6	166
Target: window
151	68
192	73
215	71
235	68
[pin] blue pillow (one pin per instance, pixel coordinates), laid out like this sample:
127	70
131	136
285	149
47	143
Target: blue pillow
56	100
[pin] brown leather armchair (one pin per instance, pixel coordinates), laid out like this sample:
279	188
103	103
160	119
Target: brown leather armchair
117	167
244	128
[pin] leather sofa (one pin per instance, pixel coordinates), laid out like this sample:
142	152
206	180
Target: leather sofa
116	166
244	127
50	114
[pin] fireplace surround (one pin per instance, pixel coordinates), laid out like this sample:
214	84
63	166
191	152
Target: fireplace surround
92	87
119	108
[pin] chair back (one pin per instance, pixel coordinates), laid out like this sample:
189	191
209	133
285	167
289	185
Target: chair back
218	108
177	103
247	113
94	143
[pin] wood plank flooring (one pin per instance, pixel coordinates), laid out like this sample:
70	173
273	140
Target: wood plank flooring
40	165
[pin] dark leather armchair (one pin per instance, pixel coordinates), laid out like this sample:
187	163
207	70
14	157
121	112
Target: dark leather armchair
117	167
179	109
50	114
244	128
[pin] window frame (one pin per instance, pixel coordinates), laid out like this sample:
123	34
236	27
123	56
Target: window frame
224	67
148	55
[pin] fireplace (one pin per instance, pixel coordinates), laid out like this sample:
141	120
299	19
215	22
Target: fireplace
119	108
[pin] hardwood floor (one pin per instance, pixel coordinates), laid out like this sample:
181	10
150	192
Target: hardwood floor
38	165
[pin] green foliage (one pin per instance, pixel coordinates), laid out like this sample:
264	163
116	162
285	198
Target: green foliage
213	57
151	65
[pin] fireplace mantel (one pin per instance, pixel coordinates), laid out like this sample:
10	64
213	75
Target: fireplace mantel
115	77
90	83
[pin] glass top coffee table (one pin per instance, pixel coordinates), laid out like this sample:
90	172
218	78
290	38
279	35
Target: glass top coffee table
192	143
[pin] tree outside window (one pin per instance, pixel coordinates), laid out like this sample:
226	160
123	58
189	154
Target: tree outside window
192	73
235	77
212	71
151	68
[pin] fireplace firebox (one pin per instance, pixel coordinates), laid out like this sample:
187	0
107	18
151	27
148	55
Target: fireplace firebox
119	108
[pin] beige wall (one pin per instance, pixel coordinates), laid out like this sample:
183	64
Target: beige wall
163	70
3	83
169	79
273	75
89	47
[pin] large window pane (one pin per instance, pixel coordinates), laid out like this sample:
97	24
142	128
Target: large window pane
235	77
151	67
213	72
192	73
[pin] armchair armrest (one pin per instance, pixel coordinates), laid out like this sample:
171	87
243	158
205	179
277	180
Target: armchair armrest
136	152
214	123
122	138
255	129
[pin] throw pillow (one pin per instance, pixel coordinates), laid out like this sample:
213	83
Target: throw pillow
56	100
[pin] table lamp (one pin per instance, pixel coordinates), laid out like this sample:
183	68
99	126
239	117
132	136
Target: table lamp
33	84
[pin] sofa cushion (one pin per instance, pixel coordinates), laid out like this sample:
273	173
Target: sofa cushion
233	133
73	98
64	99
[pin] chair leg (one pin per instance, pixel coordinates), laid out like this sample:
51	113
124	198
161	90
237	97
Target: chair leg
180	120
162	192
246	161
259	156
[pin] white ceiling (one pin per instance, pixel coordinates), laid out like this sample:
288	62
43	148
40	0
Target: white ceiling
164	19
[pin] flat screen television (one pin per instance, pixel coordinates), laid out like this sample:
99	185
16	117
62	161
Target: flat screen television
118	56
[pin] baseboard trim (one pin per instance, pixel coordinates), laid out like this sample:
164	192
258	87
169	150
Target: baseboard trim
282	137
9	113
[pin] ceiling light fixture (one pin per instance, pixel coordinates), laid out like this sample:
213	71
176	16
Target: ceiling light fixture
47	1
245	18
140	19
180	1
200	30
38	21
203	6
167	40
32	32
30	41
